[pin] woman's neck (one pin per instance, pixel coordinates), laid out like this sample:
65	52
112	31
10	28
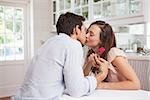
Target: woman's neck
95	49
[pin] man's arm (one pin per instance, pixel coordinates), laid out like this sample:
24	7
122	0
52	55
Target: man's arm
76	84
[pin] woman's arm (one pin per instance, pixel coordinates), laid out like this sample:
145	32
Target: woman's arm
87	69
132	81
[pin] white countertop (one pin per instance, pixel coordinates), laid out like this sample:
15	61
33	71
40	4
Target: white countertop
112	95
136	56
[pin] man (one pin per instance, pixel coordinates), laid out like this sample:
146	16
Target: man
58	64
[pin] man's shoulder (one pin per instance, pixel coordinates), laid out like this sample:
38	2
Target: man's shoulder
65	41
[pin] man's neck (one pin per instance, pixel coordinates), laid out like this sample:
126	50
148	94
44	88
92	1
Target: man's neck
74	36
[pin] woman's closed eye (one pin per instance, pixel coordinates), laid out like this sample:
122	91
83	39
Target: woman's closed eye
91	33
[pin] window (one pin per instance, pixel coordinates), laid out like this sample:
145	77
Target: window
11	33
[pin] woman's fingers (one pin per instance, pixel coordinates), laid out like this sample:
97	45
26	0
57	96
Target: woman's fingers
100	60
92	60
96	61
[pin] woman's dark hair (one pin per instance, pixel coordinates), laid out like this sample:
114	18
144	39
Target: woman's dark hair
67	22
107	37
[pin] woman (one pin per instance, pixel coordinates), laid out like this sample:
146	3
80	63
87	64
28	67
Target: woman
119	74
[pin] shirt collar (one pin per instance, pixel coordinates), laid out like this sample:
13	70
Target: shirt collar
67	36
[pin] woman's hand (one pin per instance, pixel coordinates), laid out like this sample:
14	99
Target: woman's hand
103	64
95	61
91	60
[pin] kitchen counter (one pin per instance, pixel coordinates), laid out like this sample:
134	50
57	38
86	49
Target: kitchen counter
141	65
137	56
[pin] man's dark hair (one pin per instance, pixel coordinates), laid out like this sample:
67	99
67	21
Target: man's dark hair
67	22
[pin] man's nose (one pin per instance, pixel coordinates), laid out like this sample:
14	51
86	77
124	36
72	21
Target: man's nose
87	35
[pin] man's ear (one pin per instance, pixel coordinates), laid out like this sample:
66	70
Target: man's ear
77	29
74	30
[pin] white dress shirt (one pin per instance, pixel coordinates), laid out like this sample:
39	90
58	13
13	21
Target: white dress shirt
56	67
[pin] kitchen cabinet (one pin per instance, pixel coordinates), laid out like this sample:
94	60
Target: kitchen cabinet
127	15
80	7
141	65
108	10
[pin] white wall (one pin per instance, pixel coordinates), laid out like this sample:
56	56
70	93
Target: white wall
11	76
41	12
147	17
